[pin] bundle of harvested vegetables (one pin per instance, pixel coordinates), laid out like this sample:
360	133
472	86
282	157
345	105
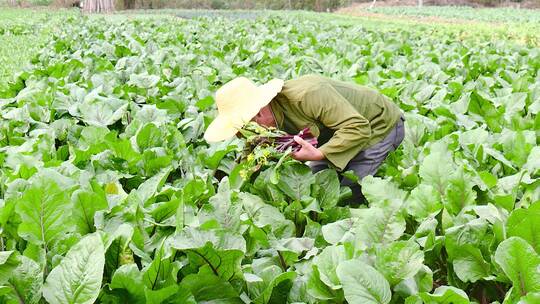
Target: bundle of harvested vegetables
258	136
287	141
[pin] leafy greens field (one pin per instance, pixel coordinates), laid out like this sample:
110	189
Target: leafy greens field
21	34
501	14
110	195
521	25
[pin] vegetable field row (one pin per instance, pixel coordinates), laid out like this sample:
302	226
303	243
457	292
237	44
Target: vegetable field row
21	34
502	15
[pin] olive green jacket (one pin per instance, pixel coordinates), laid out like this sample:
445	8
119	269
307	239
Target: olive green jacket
346	118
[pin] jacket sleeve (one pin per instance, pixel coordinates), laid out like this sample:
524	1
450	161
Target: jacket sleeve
352	131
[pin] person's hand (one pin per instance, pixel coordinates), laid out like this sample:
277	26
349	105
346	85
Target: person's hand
307	152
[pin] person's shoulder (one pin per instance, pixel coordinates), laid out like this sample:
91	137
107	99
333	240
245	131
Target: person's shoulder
354	87
313	77
296	89
310	80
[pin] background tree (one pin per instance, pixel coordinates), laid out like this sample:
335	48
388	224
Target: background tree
129	4
98	6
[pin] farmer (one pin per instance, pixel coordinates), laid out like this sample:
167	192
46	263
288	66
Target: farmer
356	126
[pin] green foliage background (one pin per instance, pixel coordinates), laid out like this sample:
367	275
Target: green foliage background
109	193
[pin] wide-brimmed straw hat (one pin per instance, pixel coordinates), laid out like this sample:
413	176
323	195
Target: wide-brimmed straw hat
238	101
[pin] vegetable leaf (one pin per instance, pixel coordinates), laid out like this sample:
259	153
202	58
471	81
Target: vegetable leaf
77	279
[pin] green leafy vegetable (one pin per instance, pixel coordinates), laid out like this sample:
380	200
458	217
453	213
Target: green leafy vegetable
77	279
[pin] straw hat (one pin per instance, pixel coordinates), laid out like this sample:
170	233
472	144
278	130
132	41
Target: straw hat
238	101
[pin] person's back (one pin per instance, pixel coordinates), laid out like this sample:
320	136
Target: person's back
379	110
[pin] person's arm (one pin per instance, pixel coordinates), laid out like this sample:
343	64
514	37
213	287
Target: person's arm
352	130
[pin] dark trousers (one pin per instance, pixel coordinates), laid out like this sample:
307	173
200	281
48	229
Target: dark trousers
367	161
